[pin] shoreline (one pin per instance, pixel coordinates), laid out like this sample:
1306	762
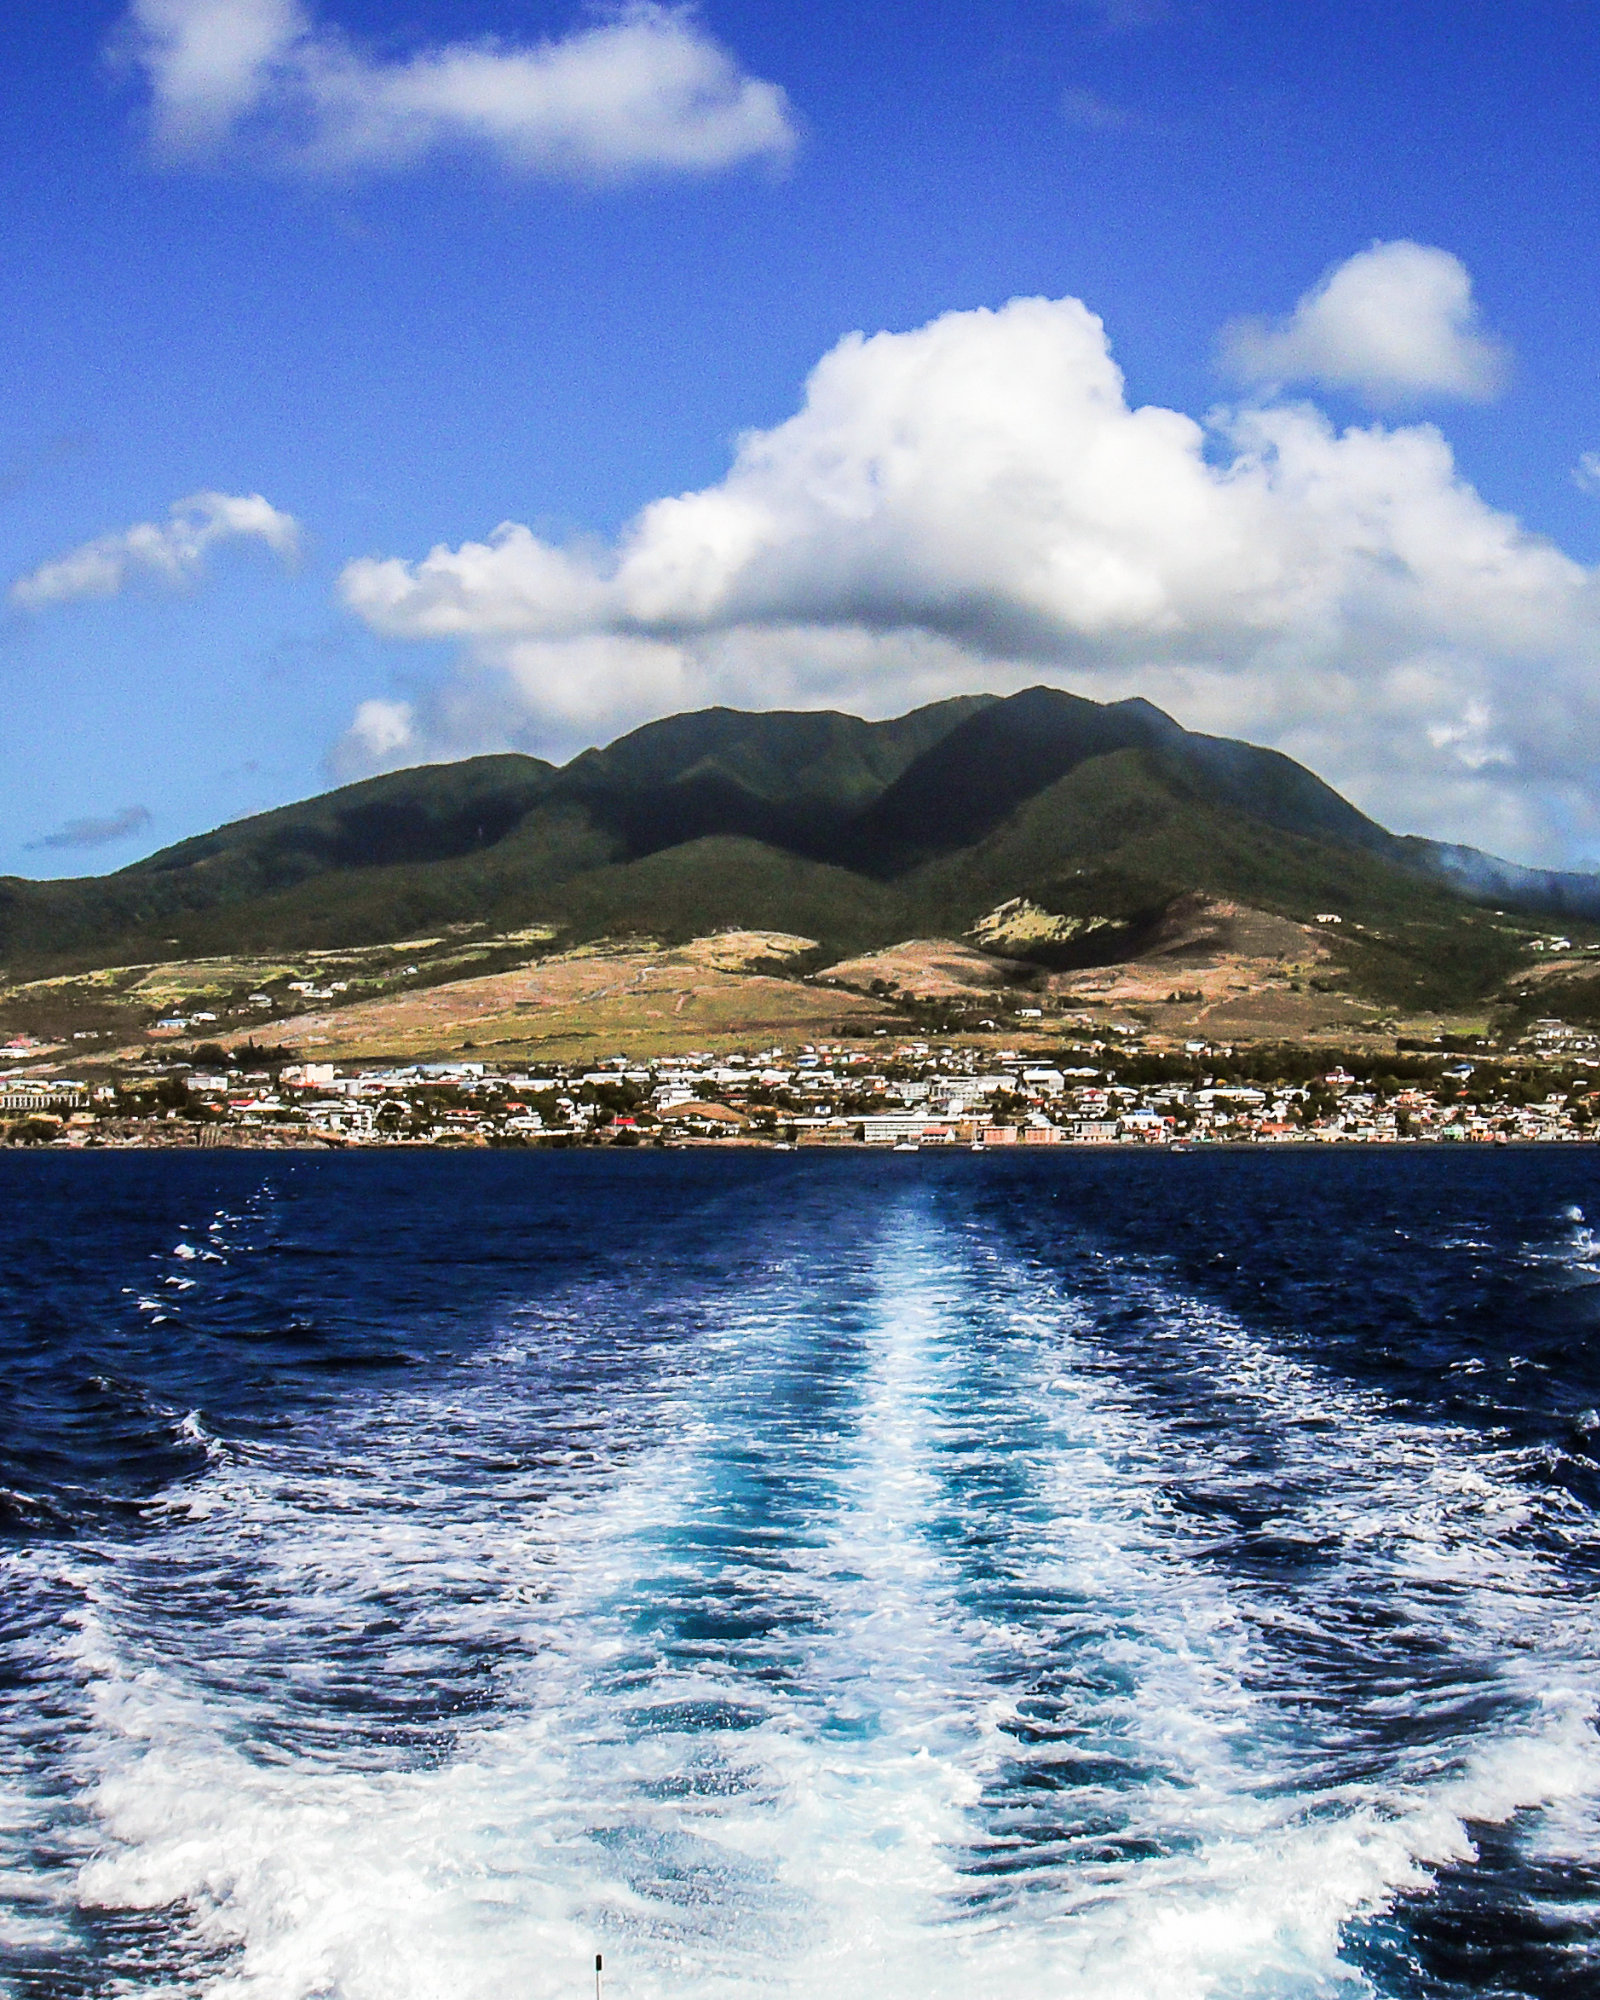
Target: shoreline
1167	1147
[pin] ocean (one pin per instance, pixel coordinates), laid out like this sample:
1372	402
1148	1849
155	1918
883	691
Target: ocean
1091	1574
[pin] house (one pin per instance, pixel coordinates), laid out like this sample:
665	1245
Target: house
42	1097
309	1076
707	1119
894	1128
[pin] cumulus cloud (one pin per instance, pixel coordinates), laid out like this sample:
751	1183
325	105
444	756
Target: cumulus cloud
79	833
1586	473
645	90
173	550
381	733
1394	323
976	504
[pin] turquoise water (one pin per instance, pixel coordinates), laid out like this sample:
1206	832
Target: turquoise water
1084	1576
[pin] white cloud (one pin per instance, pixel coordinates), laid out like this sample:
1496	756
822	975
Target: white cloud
645	90
555	696
381	733
975	504
173	550
1586	473
1394	323
210	61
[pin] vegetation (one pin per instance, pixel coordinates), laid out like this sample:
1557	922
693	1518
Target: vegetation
851	833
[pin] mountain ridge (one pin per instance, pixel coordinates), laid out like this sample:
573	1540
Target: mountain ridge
808	821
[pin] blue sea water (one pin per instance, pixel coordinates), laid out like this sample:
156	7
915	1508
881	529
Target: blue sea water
1161	1576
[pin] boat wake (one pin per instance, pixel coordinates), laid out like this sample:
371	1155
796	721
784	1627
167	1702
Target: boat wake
906	1619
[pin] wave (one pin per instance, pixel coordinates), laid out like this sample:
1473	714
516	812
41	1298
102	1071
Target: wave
901	1618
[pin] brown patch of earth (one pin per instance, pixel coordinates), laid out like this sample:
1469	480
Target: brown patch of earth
1555	971
745	951
1215	968
926	969
1273	1014
1206	928
1220	966
599	1000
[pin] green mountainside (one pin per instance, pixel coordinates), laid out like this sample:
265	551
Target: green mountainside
855	833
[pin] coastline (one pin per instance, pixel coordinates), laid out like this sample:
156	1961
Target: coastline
309	1143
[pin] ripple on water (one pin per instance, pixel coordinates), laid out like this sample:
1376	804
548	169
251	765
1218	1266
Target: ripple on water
909	1612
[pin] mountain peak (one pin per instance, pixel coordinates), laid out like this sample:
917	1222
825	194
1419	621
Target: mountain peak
812	821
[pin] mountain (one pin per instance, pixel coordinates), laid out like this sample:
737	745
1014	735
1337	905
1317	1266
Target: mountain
856	833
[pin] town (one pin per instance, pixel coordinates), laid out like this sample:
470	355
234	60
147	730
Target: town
1115	1086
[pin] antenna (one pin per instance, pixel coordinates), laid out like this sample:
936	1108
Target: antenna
599	1968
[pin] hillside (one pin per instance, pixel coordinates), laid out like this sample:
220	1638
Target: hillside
1100	817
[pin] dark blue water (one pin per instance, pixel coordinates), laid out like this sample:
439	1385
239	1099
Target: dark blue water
1103	1575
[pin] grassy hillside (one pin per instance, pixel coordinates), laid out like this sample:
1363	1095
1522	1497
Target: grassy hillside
830	762
720	883
1124	836
818	824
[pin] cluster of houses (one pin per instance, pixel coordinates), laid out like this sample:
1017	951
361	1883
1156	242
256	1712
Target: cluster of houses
906	1094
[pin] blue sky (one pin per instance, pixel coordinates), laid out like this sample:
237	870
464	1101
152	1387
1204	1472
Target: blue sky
417	273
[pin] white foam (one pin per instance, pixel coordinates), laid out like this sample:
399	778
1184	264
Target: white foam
921	1466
